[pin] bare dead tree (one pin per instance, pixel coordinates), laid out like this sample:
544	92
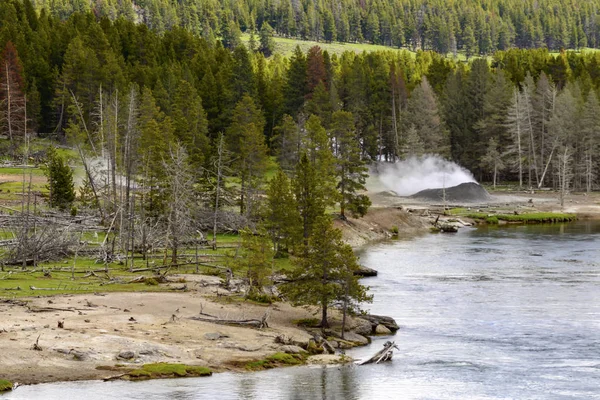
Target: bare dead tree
48	242
180	183
564	171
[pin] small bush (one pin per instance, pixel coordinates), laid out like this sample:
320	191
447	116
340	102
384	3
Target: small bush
307	322
395	230
276	360
151	282
166	370
260	298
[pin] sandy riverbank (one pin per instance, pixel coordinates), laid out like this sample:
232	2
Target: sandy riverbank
156	327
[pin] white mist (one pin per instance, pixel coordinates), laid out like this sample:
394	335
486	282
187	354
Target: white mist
414	174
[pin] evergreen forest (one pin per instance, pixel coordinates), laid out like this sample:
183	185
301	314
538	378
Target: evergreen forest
178	129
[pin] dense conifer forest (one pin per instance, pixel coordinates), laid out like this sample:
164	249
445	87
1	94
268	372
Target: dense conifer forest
88	80
475	26
178	128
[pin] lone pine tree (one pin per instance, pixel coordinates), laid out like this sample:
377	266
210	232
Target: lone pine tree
60	180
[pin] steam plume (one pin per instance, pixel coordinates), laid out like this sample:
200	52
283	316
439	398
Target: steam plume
414	174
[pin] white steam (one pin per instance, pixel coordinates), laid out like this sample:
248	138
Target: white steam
414	174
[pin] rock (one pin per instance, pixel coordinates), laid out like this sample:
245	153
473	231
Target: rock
291	349
469	192
334	344
365	271
328	359
214	336
361	326
146	352
375	320
344	345
352	337
382	330
126	355
79	355
356	338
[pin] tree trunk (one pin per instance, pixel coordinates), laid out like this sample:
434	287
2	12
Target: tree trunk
324	324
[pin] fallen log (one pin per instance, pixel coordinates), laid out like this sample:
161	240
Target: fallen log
252	323
49	309
384	354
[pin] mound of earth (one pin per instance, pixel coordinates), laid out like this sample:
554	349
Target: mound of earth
469	192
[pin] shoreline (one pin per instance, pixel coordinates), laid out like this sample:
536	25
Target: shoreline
157	326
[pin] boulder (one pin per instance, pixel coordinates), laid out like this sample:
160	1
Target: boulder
361	326
352	337
375	320
291	349
382	330
365	271
126	355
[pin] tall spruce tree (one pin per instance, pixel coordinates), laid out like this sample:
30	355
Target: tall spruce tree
60	180
282	219
351	170
324	274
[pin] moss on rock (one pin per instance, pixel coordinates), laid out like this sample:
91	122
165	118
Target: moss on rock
167	370
276	360
5	385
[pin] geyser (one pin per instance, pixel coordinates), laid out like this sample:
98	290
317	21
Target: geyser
415	174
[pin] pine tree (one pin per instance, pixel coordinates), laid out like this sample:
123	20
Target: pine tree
351	170
424	114
324	274
282	219
245	139
267	42
295	88
255	257
60	180
286	144
190	124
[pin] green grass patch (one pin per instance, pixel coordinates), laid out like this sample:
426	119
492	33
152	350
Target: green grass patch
528	218
276	360
167	370
307	322
18	172
5	385
286	46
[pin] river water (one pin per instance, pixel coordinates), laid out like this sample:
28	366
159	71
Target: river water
487	313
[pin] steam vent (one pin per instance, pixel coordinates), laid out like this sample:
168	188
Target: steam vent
470	192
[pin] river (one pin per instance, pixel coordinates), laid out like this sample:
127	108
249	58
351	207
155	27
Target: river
487	313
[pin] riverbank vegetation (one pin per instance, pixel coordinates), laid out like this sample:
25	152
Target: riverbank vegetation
523	218
166	138
167	370
5	385
276	360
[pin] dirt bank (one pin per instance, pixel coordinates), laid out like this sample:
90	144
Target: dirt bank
153	327
156	327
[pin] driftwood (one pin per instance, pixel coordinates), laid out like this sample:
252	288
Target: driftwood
49	309
252	323
36	345
384	354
